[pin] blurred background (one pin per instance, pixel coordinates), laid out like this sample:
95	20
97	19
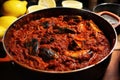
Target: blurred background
88	4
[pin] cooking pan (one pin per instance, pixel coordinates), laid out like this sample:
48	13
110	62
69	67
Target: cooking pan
111	10
92	72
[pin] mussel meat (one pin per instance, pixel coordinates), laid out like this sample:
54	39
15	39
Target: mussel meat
81	54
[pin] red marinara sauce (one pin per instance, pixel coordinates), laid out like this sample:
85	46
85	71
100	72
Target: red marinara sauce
60	43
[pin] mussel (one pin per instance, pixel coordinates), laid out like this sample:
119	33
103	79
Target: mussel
76	18
66	30
81	54
73	45
32	46
76	44
45	24
62	30
47	54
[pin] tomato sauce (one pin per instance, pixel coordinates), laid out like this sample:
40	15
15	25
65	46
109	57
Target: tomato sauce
60	43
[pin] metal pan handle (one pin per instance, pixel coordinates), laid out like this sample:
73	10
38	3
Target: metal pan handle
6	58
112	15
